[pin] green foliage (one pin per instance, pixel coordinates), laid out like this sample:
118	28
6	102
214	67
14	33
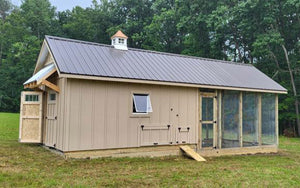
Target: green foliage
38	16
250	31
5	7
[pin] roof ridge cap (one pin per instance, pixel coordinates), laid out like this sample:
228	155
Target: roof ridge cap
77	41
193	57
148	51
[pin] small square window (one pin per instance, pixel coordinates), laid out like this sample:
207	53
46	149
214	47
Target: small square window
114	41
121	41
32	98
141	103
52	97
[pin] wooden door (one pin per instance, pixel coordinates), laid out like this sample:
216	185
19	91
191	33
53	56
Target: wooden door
51	120
31	115
208	123
155	135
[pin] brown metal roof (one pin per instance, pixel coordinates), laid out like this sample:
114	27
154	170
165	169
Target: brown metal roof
93	59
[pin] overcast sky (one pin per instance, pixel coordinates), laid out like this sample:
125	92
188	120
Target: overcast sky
63	4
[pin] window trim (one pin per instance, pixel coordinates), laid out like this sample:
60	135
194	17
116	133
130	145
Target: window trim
139	115
121	39
38	98
147	102
48	97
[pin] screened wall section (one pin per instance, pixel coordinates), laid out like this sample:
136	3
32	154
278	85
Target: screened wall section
268	132
250	119
230	119
246	119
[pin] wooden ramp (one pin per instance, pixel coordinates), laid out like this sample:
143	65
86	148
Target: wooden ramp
190	152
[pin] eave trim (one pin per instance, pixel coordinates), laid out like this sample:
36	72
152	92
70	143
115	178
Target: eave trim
126	80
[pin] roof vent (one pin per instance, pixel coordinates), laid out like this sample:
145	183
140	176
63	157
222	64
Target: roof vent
119	40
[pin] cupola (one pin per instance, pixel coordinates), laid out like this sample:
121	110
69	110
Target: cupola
119	40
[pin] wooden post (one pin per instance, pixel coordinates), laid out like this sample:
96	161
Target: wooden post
215	140
241	119
257	117
200	123
276	120
220	119
259	120
21	114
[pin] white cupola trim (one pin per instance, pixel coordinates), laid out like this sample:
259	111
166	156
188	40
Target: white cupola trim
119	41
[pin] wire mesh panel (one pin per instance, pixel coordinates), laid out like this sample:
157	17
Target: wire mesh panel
230	119
207	135
250	119
207	109
268	119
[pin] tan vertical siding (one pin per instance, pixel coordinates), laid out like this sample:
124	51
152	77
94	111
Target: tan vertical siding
66	114
75	116
112	109
100	115
99	111
192	119
123	104
61	113
86	110
59	124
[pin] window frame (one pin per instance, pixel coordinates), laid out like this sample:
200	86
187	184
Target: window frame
131	103
49	98
34	101
120	39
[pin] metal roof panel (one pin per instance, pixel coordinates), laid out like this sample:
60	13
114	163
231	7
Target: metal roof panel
93	59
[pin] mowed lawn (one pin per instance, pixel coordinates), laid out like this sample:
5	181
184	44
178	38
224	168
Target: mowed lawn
28	165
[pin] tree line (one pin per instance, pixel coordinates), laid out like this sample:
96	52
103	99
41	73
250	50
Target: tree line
263	33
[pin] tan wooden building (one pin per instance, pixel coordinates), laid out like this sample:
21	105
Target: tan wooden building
91	100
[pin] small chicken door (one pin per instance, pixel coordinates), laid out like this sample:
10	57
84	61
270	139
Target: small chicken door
30	130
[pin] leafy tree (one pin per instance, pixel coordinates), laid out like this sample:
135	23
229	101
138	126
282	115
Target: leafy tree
131	17
5	7
263	33
38	15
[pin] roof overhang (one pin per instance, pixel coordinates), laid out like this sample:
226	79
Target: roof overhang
86	77
40	77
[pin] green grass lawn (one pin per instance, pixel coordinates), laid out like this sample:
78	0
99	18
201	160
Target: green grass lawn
27	165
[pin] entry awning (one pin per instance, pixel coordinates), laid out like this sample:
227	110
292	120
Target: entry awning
40	77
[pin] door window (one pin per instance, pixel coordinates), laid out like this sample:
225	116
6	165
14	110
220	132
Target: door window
207	109
207	135
207	123
31	98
